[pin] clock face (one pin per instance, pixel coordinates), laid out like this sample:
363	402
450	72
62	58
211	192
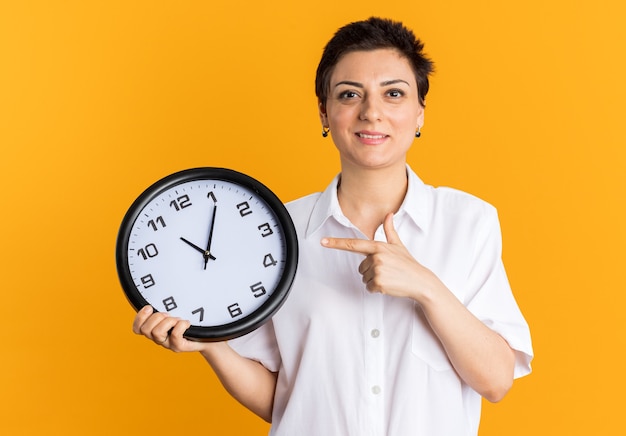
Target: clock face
209	245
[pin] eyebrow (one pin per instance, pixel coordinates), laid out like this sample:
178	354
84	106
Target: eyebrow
360	85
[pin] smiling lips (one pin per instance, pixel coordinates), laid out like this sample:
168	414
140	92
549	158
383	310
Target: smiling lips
371	138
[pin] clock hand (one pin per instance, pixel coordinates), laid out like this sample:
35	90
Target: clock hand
191	244
207	253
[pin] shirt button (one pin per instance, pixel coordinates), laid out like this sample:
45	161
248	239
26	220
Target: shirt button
375	333
376	390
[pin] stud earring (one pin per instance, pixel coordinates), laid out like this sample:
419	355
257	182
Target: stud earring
418	133
325	131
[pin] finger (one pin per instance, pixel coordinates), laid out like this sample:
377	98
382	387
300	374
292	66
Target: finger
362	246
390	230
176	338
141	317
180	328
161	332
367	277
148	327
370	281
365	265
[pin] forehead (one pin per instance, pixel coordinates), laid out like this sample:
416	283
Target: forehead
380	64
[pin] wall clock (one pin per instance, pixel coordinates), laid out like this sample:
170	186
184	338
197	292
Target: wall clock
210	245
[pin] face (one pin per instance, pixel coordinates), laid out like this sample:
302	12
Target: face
372	108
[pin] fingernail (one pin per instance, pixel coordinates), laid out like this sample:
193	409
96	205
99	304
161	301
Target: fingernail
325	241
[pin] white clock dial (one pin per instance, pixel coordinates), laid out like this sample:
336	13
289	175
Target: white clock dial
211	251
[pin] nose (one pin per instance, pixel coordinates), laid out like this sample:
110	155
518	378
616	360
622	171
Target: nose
370	110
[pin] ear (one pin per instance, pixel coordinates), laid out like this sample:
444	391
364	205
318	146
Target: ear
321	107
420	117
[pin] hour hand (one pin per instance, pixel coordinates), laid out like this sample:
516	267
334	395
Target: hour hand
201	250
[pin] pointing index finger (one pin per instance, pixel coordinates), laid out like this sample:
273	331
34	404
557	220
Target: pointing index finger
362	246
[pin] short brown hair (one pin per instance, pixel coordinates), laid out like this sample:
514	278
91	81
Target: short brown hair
372	34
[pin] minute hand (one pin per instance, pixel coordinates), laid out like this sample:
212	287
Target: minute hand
207	254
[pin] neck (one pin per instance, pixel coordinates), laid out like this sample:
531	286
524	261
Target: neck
366	196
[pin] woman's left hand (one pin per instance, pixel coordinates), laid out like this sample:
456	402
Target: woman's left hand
388	267
481	357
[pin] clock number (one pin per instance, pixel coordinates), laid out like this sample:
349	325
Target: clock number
181	202
170	304
244	209
211	195
199	310
234	310
265	229
153	223
147	281
258	290
268	260
150	250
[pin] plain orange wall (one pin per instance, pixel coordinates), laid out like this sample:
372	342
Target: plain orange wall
98	99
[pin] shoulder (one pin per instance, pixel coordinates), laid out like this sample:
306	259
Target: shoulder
434	203
454	207
303	204
467	219
301	208
451	200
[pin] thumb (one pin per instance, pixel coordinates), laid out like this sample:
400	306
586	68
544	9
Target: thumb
390	231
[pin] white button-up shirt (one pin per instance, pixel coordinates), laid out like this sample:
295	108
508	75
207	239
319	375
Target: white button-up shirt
351	362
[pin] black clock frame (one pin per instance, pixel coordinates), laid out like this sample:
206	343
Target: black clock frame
250	322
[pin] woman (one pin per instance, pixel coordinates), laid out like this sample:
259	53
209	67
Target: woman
401	316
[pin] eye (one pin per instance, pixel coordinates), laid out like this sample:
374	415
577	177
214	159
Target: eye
347	95
395	93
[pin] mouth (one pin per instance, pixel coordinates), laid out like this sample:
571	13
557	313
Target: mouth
371	135
371	138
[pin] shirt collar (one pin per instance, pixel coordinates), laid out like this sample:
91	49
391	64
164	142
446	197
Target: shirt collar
417	204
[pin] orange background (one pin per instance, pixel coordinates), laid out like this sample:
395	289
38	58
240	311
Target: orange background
98	99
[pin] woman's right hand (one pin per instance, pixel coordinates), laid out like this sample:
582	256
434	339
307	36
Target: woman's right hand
165	330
